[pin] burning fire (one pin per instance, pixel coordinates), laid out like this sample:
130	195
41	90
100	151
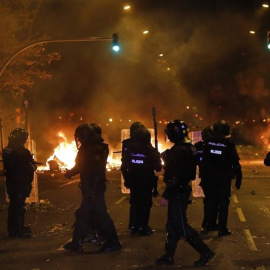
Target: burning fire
64	155
265	141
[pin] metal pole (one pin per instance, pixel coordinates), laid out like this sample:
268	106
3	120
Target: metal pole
1	135
155	126
90	39
27	122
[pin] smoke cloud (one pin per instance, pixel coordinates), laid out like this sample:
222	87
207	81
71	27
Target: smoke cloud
198	63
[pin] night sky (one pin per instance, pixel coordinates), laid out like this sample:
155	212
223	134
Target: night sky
210	62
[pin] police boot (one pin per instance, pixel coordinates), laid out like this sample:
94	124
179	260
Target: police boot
224	232
19	230
133	230
77	241
144	231
203	249
112	244
167	258
74	246
27	229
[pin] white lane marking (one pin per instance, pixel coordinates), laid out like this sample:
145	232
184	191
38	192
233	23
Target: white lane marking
250	241
8	244
122	199
71	182
66	184
240	214
265	211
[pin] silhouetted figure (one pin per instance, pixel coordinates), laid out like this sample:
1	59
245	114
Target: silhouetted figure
221	165
180	168
92	213
207	223
140	160
19	168
133	127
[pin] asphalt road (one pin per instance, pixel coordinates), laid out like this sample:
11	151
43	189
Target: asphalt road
51	220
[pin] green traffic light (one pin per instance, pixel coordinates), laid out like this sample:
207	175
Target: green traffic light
115	47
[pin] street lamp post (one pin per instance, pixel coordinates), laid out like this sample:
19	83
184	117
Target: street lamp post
89	39
1	135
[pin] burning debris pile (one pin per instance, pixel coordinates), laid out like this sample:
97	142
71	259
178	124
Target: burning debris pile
64	155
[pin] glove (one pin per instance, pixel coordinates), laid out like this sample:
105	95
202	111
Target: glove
238	183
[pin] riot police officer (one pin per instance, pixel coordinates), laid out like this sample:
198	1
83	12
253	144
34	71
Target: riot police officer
140	160
221	164
19	168
180	168
90	163
207	224
132	129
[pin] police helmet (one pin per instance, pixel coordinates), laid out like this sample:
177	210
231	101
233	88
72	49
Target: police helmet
134	126
85	133
18	135
176	130
207	132
221	128
142	135
97	128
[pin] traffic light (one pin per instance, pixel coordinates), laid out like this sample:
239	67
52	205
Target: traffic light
115	39
268	40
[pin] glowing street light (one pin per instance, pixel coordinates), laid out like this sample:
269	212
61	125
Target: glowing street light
252	32
145	32
127	7
265	5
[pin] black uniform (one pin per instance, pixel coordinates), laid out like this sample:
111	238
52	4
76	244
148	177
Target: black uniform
91	164
19	168
209	219
221	163
140	160
180	168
